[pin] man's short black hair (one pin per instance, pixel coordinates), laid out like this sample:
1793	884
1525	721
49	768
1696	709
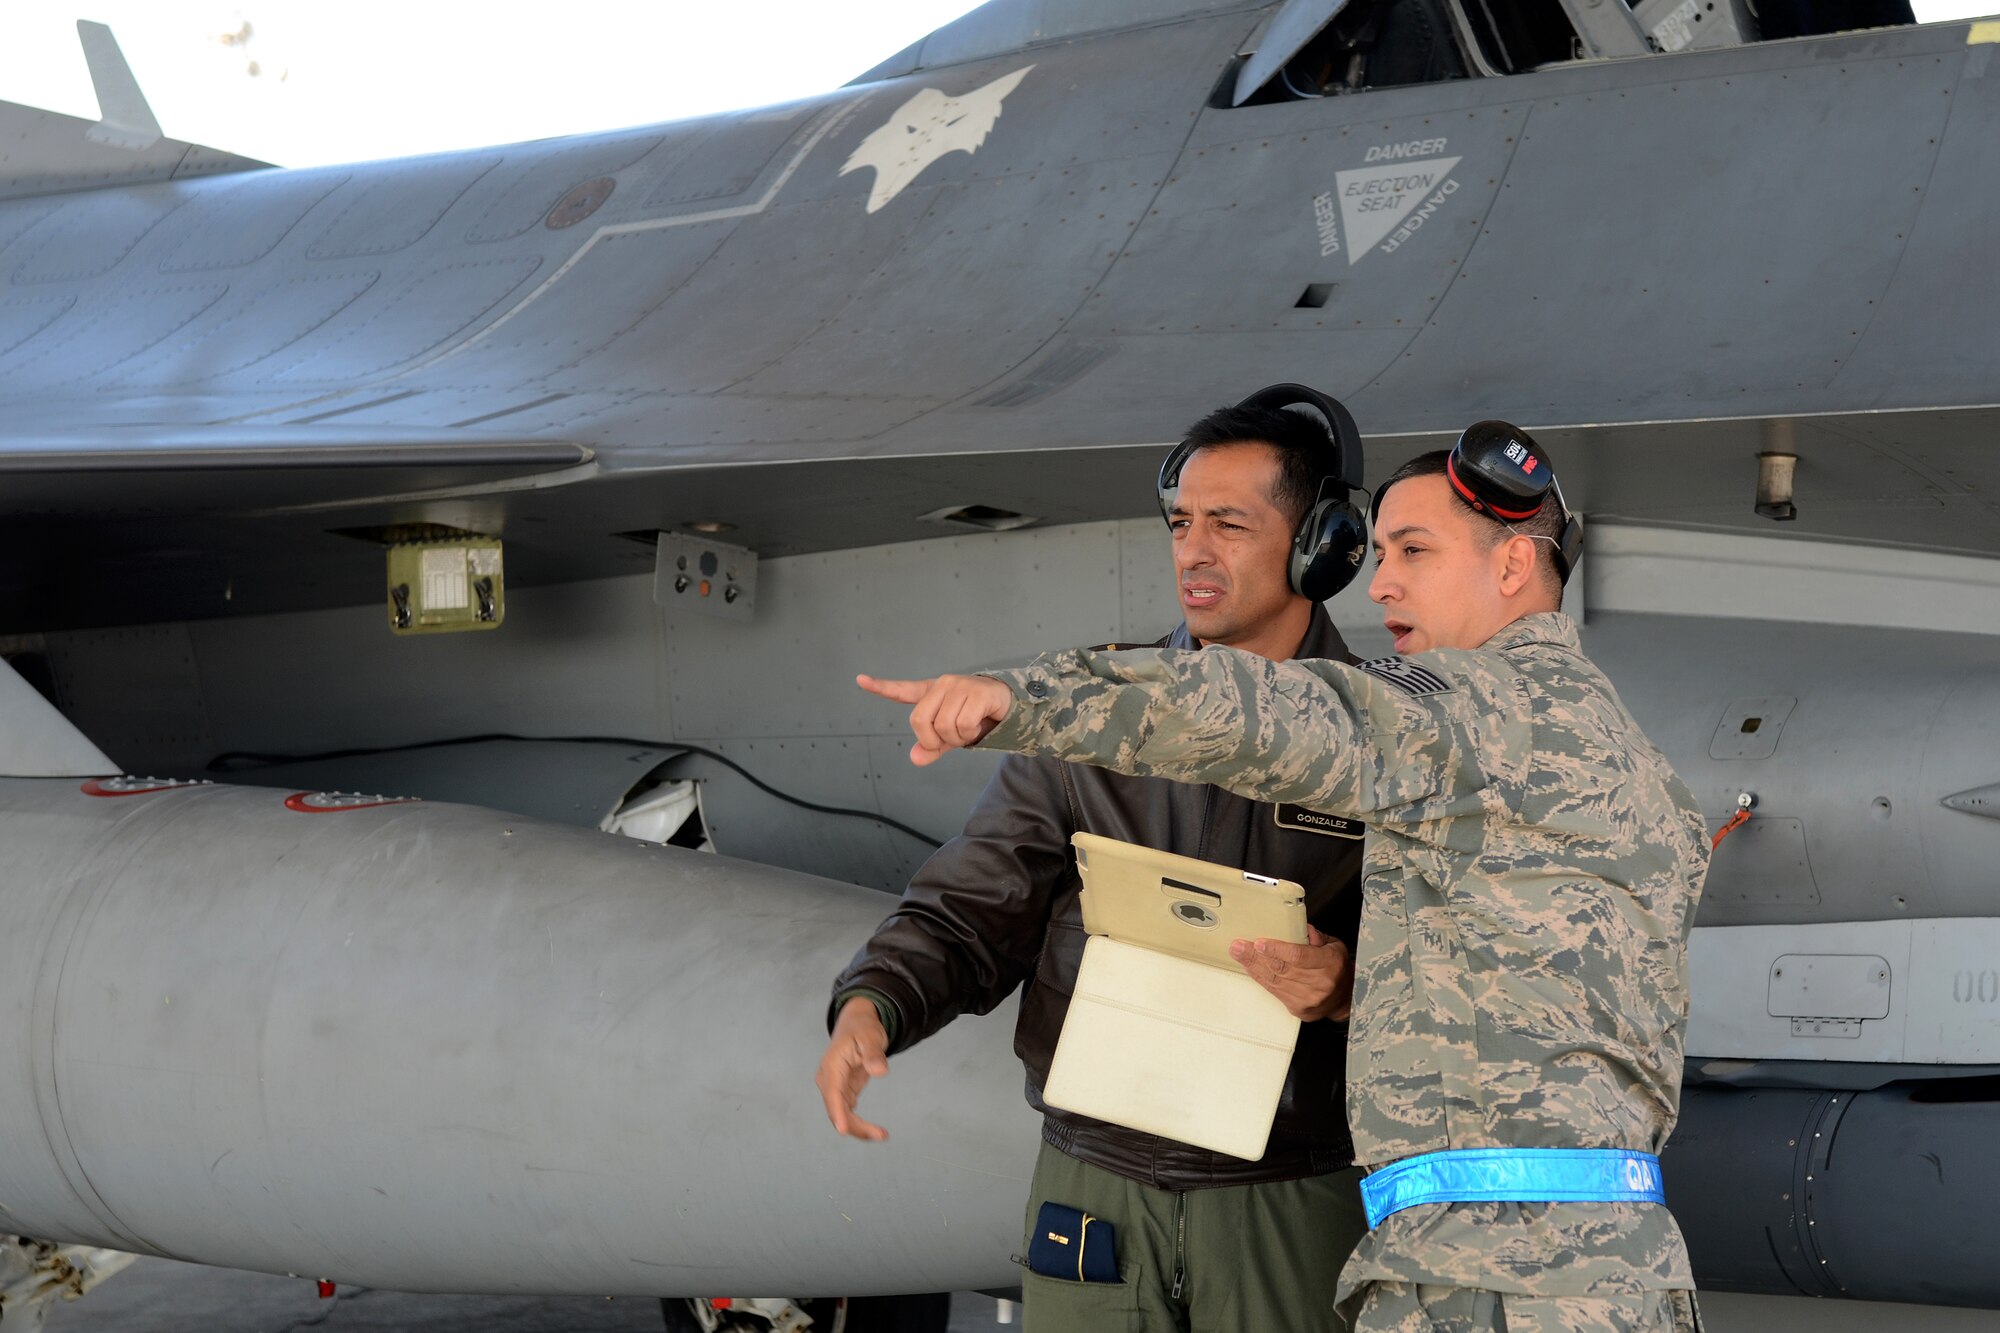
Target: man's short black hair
1546	521
1303	442
1431	464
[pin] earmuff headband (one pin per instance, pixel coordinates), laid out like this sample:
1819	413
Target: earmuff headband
1346	469
1346	437
1331	537
1484	506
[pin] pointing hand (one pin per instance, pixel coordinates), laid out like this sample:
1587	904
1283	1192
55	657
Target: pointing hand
948	712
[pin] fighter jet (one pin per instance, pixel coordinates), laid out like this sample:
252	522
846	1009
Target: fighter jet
382	537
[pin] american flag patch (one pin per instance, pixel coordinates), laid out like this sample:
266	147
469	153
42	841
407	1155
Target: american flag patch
1405	675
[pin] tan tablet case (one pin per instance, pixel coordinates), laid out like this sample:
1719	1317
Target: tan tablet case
1166	1033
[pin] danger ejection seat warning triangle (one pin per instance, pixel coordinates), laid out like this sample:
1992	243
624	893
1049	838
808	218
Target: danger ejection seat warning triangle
1373	200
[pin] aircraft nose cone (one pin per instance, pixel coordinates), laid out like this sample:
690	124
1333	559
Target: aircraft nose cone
1981	801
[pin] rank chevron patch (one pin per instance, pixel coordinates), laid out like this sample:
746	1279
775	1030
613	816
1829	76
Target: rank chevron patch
1406	675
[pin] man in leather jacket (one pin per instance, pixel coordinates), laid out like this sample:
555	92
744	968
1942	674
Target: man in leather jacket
1204	1240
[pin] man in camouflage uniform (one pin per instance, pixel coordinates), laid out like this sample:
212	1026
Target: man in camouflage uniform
1531	872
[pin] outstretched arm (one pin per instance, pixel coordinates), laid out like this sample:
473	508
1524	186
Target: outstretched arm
947	712
1337	738
1313	980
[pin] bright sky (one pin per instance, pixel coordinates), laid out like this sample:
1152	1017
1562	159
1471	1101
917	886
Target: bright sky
348	80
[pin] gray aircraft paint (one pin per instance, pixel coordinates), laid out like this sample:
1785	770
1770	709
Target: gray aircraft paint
1083	278
602	657
204	378
436	1048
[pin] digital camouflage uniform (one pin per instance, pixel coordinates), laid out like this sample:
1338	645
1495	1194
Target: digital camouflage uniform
1531	874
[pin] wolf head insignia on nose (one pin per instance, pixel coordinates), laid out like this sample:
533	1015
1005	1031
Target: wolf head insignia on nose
924	129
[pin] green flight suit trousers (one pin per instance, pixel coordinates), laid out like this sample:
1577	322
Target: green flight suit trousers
1248	1257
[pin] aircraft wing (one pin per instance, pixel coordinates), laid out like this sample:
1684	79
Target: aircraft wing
51	153
717	295
140	519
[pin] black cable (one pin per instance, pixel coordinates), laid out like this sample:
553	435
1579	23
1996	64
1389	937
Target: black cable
225	760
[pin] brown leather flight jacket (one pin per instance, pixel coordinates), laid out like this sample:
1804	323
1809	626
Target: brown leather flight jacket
997	906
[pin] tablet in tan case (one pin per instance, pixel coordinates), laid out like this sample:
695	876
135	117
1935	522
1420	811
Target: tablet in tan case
1166	1033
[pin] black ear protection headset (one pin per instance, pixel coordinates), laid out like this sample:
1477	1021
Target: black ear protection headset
1332	537
1500	471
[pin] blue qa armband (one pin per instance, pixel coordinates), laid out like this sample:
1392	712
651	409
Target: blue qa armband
1513	1175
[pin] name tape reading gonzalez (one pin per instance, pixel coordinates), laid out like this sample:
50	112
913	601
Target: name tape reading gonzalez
1405	675
1312	821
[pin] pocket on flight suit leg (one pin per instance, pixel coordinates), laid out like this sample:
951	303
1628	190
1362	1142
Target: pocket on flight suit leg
1064	1305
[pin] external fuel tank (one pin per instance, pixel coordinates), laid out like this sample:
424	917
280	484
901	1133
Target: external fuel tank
438	1048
